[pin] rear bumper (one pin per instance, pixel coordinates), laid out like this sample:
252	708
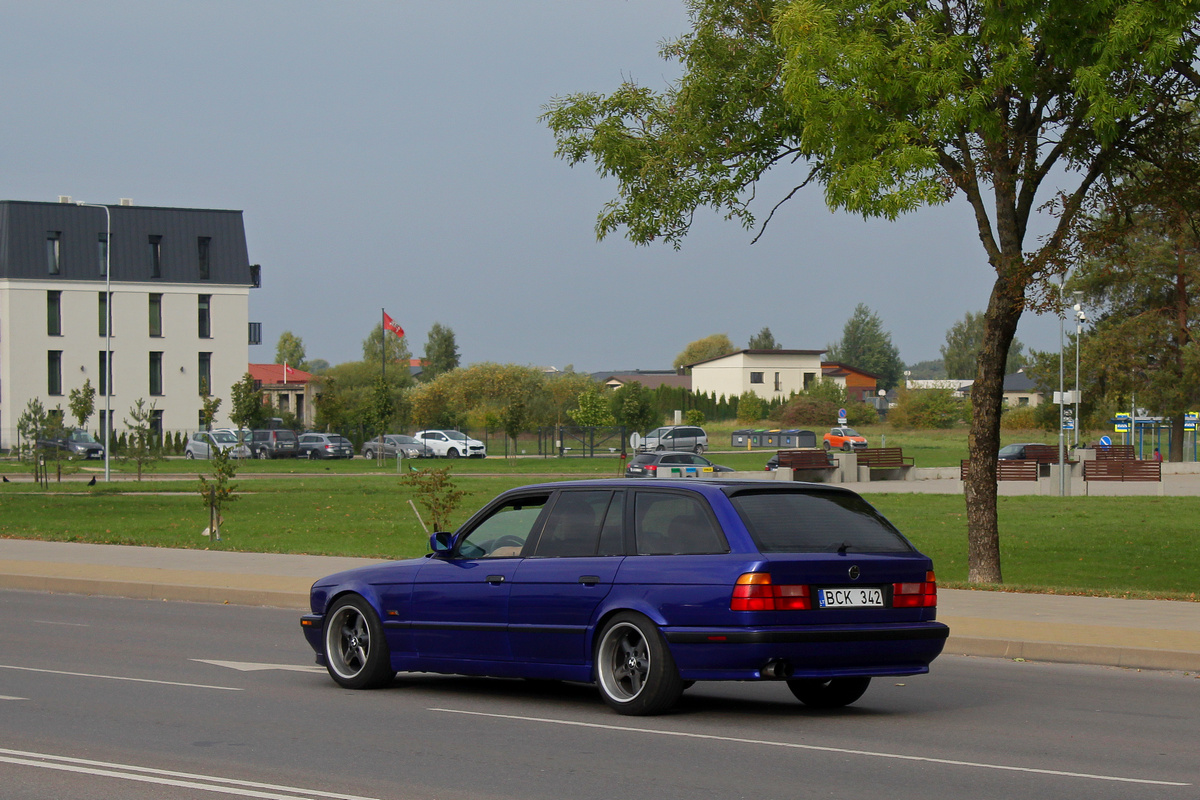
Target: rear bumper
814	651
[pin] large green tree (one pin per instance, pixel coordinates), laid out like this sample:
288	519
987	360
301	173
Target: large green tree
964	340
441	352
891	105
290	350
1140	279
703	349
764	340
866	345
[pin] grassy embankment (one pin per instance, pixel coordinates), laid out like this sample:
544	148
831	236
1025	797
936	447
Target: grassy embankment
1138	546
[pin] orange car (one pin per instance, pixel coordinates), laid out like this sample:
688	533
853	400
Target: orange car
844	439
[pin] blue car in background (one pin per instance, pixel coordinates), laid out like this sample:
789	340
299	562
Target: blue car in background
644	589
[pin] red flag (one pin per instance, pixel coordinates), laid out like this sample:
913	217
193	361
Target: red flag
392	325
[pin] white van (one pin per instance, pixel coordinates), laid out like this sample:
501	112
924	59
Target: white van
687	438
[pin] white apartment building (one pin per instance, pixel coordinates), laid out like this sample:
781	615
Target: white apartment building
180	282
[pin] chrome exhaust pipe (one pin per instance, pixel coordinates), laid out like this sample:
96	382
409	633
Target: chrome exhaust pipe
777	670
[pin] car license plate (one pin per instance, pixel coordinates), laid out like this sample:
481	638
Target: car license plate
850	598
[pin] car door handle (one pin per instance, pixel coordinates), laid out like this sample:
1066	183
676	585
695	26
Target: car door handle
495	579
589	580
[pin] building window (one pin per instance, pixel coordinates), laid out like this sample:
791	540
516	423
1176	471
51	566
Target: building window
54	373
155	256
104	428
53	252
809	377
756	377
103	316
204	367
105	374
156	385
102	253
255	333
54	313
204	319
156	426
202	246
156	315
778	383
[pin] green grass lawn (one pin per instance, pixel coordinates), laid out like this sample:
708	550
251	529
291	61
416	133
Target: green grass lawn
1135	546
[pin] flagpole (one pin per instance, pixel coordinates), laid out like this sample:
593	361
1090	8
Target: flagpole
383	345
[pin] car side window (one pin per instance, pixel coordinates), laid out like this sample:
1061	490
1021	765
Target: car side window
506	529
670	523
573	527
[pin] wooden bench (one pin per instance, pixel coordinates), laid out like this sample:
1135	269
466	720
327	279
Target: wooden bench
1116	452
805	459
1046	454
884	458
1126	471
1014	469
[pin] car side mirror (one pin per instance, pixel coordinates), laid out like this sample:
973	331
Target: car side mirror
441	543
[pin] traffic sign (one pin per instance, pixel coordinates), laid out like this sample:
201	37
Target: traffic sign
1105	441
1121	424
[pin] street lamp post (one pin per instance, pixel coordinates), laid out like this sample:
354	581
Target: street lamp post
107	376
1080	318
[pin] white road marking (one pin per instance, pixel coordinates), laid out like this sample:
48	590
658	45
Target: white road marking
6	697
121	678
819	748
250	666
163	777
55	622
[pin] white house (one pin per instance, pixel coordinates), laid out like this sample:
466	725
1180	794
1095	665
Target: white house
771	374
180	282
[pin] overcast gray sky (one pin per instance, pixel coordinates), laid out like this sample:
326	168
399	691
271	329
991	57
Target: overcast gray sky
389	154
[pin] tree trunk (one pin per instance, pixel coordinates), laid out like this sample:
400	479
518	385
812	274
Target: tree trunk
983	443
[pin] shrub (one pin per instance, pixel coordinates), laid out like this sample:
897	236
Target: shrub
926	408
750	408
694	416
1021	418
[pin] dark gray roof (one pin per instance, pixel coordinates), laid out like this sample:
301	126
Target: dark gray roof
25	228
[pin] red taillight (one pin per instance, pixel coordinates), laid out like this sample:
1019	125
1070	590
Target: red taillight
915	595
755	592
651	468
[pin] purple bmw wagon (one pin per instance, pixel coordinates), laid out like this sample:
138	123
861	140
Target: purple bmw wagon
644	590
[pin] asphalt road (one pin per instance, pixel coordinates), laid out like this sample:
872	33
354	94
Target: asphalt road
111	698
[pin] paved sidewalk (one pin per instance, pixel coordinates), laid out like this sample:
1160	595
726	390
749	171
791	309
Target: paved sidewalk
1143	634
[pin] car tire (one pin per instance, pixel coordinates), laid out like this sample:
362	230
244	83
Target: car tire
312	455
356	651
828	693
451	453
188	455
659	449
699	450
847	447
368	454
634	668
826	445
263	455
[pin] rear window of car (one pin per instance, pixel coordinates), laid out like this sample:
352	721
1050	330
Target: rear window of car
646	459
801	522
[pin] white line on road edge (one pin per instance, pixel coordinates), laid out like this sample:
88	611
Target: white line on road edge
793	745
121	678
164	777
251	666
6	697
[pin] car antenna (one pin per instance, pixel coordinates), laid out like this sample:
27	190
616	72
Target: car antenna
841	551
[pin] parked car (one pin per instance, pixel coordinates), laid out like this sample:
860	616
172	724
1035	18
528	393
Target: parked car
844	439
202	444
671	465
75	443
675	437
274	443
407	446
450	444
324	445
643	588
1011	452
